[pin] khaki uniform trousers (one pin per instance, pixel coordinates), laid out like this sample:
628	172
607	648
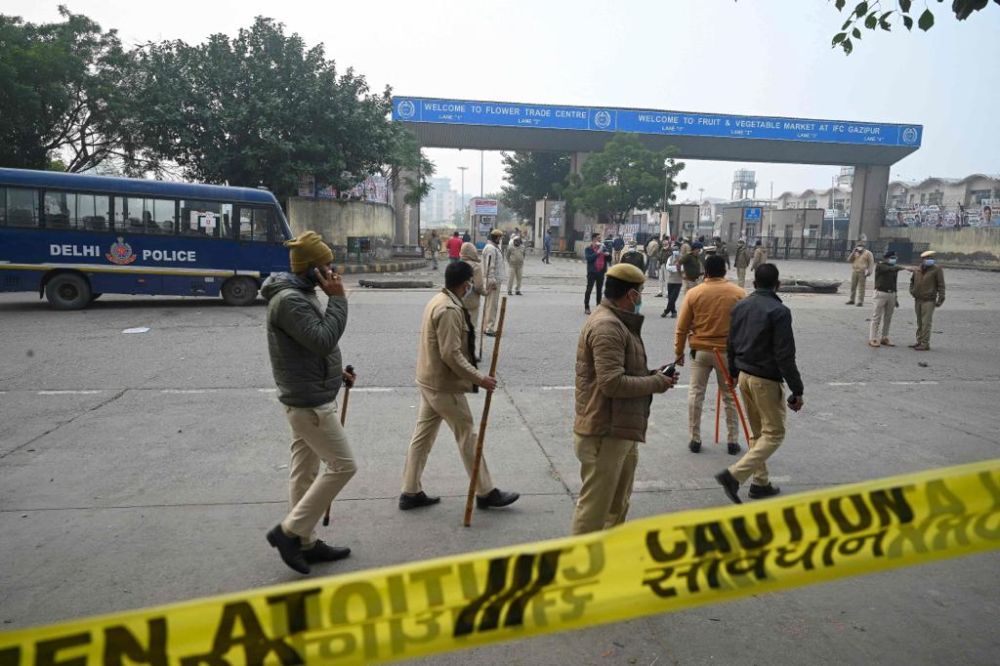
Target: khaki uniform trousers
885	304
702	365
492	311
515	276
925	315
316	437
765	405
858	282
741	276
607	470
453	409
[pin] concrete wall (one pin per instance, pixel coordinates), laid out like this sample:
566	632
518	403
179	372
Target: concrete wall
336	220
968	247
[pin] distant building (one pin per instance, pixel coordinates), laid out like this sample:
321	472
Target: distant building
439	207
972	191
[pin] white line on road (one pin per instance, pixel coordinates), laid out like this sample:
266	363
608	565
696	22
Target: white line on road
91	392
372	389
558	388
845	383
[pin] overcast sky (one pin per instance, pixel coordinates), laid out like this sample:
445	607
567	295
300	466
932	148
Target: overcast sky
768	57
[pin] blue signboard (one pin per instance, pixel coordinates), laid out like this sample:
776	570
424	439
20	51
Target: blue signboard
751	214
664	123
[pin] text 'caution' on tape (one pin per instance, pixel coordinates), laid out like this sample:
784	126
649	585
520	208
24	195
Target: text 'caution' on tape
648	566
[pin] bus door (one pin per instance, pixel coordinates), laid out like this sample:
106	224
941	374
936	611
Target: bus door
261	239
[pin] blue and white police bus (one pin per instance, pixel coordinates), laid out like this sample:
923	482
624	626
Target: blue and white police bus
74	237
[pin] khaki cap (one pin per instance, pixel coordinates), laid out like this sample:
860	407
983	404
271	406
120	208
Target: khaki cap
927	254
627	273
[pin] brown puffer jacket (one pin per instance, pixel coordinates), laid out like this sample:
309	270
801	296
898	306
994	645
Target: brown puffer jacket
614	387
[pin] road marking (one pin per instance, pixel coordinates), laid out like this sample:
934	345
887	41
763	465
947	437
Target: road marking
187	391
90	392
373	389
274	390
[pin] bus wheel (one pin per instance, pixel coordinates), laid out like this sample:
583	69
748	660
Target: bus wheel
239	291
68	291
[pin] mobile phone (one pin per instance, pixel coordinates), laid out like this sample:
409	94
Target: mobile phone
670	370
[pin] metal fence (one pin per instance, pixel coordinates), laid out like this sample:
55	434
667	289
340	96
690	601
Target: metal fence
835	249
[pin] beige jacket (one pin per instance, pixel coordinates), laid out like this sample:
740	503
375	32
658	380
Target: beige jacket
515	255
614	388
444	359
470	255
865	261
759	257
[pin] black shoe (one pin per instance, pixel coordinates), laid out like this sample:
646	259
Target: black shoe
760	492
694	445
290	549
733	448
664	314
495	499
407	502
673	315
323	552
730	485
586	311
517	293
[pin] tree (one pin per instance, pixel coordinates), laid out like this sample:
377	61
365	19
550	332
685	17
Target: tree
532	176
62	101
625	176
874	16
263	109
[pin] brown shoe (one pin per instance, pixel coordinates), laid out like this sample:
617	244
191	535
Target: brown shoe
921	348
874	343
886	343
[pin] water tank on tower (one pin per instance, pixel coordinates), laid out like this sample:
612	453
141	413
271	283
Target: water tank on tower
744	184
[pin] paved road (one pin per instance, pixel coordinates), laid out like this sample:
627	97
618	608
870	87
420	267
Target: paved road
143	468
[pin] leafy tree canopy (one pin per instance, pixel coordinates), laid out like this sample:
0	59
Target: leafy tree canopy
262	109
875	16
625	176
61	98
532	176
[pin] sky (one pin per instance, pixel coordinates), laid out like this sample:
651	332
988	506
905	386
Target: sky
766	57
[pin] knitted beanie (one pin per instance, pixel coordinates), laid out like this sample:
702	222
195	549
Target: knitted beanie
308	250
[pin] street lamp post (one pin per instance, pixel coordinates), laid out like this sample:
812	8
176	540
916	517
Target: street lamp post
463	169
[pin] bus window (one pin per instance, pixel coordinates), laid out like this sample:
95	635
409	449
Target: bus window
21	207
254	223
150	216
120	219
58	214
93	212
206	219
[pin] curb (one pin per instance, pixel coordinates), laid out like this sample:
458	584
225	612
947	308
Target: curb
382	267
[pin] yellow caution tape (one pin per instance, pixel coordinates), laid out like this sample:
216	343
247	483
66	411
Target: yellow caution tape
648	566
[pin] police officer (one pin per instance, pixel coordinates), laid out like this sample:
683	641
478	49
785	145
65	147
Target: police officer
927	289
614	390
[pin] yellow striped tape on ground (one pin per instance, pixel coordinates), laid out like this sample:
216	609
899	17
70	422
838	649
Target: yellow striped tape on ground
647	566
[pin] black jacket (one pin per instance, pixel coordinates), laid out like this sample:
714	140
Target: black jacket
591	256
761	342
